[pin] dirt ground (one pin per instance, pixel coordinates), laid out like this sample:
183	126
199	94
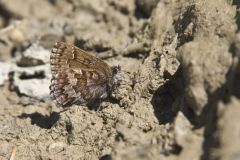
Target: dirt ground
179	95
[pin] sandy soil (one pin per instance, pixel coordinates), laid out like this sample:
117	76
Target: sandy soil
179	94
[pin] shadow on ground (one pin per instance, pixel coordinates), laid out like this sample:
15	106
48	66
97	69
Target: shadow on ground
167	97
43	121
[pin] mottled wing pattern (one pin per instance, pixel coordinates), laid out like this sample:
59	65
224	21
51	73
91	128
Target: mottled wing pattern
77	77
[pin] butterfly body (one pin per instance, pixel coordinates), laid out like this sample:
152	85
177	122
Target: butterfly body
78	77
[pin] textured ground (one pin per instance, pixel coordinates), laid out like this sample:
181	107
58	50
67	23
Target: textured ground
179	96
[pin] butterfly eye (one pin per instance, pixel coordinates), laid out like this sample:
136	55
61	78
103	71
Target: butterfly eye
116	69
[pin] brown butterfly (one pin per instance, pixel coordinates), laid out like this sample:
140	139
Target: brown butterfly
78	77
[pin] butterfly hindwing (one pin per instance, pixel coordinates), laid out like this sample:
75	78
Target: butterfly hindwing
77	77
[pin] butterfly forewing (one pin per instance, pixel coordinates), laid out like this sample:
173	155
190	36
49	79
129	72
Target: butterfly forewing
77	77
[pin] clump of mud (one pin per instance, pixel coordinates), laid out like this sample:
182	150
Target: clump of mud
179	93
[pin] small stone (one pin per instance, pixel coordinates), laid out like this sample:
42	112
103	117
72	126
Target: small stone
36	53
182	128
56	147
227	132
189	141
32	81
17	36
4	71
31	76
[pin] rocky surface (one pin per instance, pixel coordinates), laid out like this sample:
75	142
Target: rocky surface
179	93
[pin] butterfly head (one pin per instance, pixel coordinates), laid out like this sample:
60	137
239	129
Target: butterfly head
115	76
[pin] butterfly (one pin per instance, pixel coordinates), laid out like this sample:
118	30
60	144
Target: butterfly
78	77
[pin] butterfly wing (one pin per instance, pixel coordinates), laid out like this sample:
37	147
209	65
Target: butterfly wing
77	77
